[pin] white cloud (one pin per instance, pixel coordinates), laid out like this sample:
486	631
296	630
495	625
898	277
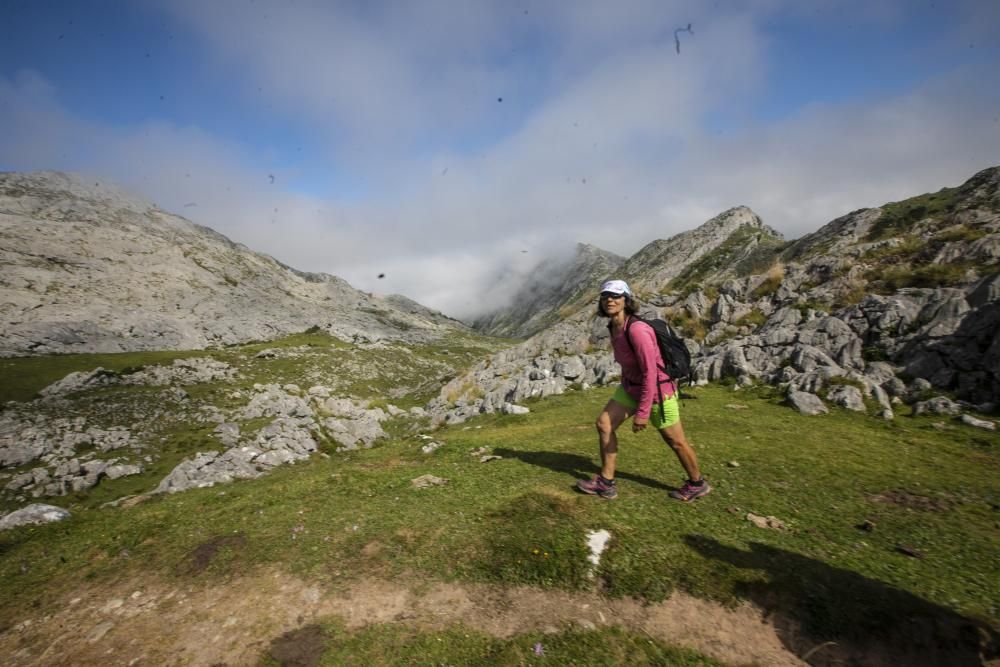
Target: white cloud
603	136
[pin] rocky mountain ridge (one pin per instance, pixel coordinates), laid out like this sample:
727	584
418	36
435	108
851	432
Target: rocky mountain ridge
89	268
845	316
732	241
880	305
716	247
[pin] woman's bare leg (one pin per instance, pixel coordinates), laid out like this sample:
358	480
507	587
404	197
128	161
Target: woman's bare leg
608	421
674	437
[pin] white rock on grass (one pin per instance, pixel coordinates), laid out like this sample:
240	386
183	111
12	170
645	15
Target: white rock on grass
32	514
766	522
978	423
939	405
597	542
806	403
427	481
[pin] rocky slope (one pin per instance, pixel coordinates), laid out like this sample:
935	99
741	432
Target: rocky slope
718	248
552	289
735	241
88	268
876	308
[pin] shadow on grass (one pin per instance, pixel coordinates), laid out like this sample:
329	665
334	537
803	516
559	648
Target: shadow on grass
580	467
831	616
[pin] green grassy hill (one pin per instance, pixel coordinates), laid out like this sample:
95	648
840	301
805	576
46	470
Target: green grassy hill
889	544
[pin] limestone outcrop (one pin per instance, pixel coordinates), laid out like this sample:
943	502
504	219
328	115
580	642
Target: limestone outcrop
875	309
89	268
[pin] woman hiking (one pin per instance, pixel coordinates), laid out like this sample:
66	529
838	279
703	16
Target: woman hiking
646	392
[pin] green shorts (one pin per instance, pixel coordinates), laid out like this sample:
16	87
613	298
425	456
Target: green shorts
661	415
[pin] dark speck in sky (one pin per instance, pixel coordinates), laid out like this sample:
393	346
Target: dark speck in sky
271	176
445	171
381	275
189	204
677	39
499	99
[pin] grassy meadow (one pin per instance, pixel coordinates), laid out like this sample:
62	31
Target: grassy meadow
883	520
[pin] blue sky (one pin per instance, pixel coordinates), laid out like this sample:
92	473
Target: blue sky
433	141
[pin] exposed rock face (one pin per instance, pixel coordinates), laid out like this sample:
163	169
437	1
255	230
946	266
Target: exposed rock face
652	268
910	289
70	455
88	268
34	513
181	371
300	421
717	247
552	288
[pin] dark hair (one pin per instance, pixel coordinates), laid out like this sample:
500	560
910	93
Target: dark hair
630	307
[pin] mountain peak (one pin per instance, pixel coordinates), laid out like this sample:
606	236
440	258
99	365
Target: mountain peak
655	265
91	268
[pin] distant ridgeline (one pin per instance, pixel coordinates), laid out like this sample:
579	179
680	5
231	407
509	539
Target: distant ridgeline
879	304
89	268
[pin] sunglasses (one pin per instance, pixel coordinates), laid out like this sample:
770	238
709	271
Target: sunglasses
611	295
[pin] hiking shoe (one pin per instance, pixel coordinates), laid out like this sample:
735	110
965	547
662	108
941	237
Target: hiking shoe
598	487
690	491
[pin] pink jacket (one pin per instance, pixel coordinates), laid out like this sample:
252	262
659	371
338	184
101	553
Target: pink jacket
637	382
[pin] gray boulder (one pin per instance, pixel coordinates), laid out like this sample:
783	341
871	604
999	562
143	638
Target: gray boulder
848	397
806	403
979	423
939	405
33	514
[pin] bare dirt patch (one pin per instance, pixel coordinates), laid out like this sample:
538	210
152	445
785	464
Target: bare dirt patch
911	501
156	622
203	554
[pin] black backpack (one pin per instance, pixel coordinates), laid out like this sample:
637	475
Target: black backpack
676	357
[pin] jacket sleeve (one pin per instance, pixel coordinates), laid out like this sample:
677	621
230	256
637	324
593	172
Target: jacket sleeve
647	354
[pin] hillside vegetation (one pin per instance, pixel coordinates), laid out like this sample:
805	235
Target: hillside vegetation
867	553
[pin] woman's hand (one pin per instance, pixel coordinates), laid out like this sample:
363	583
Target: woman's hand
639	424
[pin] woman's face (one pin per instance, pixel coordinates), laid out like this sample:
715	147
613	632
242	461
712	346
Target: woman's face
613	303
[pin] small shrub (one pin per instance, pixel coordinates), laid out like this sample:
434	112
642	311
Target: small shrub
689	326
772	281
930	275
755	318
901	216
961	232
851	294
805	306
840	380
909	247
469	390
870	354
